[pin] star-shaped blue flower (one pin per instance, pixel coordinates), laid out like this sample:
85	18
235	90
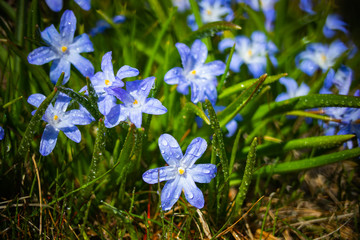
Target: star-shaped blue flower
56	5
342	80
252	52
135	103
319	55
334	22
195	73
64	49
292	89
104	79
59	119
181	173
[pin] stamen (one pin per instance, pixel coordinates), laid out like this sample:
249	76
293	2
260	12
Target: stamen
323	57
181	170
107	82
193	72
56	117
208	12
63	48
135	102
249	52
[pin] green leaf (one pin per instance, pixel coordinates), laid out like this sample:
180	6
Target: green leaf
312	115
245	84
190	107
306	102
304	164
246	180
210	29
234	108
311	142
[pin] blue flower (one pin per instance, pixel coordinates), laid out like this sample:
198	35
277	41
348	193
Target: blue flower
195	74
64	49
59	119
342	80
182	5
212	11
334	22
306	5
2	133
252	52
135	102
56	5
267	7
102	25
101	81
181	173
319	55
292	89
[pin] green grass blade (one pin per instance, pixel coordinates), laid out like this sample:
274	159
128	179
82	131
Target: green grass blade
306	102
246	84
189	106
234	108
287	167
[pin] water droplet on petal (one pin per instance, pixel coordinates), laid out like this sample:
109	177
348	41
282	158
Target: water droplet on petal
190	195
164	142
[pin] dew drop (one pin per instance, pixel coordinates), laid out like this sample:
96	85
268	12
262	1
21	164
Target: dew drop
164	142
162	151
190	195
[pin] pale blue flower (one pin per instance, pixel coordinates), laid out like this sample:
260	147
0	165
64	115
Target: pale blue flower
342	80
59	119
212	11
104	79
334	22
135	103
64	49
102	25
252	52
319	55
292	89
181	172
195	73
57	5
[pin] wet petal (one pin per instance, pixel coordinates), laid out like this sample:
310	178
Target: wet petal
51	36
171	193
48	140
72	132
170	149
192	193
42	55
57	67
84	66
55	5
202	173
199	51
36	99
156	175
84	4
127	71
184	52
106	64
174	76
194	151
81	44
154	106
67	27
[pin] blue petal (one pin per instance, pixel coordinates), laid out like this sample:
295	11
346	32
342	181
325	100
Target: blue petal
336	48
306	5
226	43
184	52
119	19
84	66
84	4
57	67
308	67
153	106
36	99
121	94
2	133
67	27
72	132
303	90
106	64
290	84
127	71
282	97
106	103
79	117
192	193
171	193
236	62
174	76
328	82
231	127
199	52
55	5
193	152
42	55
51	36
170	149
143	89
135	116
214	68
81	44
48	140
115	116
156	175
202	173
256	69
62	102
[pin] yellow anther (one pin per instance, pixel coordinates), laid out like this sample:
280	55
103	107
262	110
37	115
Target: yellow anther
135	102
56	117
323	57
208	12
63	48
249	52
107	82
193	72
181	171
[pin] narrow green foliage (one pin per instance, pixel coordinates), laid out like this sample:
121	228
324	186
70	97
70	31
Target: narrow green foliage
246	180
223	77
191	107
246	84
93	97
306	102
35	120
93	110
12	102
311	115
234	151
311	142
304	164
240	102
209	30
196	11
